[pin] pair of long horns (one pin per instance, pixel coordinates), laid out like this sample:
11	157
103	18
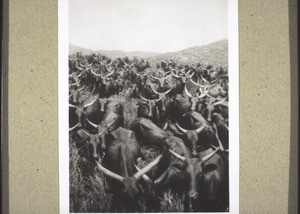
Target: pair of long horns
160	78
156	100
202	160
142	74
96	126
203	92
137	175
198	130
160	93
84	106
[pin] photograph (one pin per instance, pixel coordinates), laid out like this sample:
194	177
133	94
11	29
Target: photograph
144	94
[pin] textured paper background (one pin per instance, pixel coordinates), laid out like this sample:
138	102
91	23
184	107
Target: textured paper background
268	110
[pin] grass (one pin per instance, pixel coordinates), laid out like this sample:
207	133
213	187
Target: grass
88	195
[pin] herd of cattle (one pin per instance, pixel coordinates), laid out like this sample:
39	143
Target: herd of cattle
181	112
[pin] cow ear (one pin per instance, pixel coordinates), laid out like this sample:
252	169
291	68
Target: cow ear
209	168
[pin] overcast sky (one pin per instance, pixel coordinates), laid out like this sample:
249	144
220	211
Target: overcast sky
146	25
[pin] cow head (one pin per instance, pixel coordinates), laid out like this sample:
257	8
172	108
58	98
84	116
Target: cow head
210	105
102	130
92	148
129	185
193	168
148	108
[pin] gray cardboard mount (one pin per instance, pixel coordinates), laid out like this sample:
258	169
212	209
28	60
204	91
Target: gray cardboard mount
268	107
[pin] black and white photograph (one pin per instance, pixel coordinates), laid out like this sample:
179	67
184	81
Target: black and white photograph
148	106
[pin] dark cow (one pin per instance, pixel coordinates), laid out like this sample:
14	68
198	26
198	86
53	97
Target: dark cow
149	109
180	172
194	100
86	109
211	183
147	133
119	166
198	136
113	119
222	129
211	105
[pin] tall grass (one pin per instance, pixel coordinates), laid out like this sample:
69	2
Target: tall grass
91	194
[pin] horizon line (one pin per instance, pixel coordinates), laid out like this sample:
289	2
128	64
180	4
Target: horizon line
148	51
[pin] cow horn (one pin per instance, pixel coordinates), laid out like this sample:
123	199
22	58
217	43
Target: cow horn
162	96
78	67
79	75
76	83
144	98
71	129
72	106
154	77
204	79
219	102
91	103
147	168
156	92
145	177
85	132
98	75
92	124
81	88
209	156
198	130
180	128
110	72
109	173
199	85
214	81
177	155
161	177
175	75
186	91
134	71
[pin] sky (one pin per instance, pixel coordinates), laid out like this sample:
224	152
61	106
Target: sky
146	25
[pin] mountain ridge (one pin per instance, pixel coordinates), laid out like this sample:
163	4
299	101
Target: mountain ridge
215	53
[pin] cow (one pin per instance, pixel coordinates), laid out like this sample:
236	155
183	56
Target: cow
88	108
119	167
198	135
194	100
211	105
180	172
178	169
113	119
147	133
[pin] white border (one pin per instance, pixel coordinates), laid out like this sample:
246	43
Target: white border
233	66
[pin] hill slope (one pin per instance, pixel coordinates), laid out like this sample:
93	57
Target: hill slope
215	53
112	53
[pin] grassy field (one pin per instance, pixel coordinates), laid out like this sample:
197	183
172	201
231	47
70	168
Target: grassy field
91	194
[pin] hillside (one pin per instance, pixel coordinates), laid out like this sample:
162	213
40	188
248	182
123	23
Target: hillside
215	53
112	53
